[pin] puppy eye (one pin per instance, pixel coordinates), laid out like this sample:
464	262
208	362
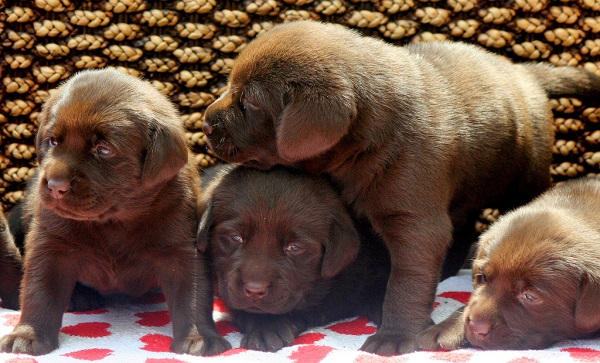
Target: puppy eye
237	239
103	150
480	279
293	249
52	142
529	297
246	104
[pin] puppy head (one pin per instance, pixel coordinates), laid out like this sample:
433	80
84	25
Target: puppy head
531	287
276	237
288	98
105	140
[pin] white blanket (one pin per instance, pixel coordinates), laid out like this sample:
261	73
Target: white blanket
140	331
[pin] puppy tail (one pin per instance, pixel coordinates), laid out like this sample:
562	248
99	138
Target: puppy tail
566	81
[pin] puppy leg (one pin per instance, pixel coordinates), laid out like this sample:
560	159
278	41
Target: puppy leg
213	343
45	291
179	278
10	268
267	333
447	335
417	245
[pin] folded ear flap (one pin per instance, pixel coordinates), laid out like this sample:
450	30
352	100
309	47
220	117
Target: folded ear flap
312	122
203	234
341	248
587	308
166	154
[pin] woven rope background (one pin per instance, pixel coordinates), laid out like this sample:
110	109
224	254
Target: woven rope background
187	47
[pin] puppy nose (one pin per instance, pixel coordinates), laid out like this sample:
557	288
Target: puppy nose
480	327
58	187
207	128
255	290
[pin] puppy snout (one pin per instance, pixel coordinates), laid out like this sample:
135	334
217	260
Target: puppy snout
480	328
256	290
58	187
207	128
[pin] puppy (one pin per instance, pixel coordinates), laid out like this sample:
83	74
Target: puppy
536	276
419	138
287	255
114	205
10	267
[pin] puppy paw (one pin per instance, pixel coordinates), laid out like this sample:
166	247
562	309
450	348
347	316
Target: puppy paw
438	338
447	335
387	345
269	338
199	345
24	340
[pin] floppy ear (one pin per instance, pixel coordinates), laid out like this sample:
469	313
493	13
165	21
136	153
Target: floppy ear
341	248
203	234
587	308
311	123
165	155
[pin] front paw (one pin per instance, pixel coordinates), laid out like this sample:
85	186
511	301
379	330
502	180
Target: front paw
387	345
269	338
25	340
199	345
447	335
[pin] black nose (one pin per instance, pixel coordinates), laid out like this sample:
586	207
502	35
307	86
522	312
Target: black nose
207	128
255	290
58	187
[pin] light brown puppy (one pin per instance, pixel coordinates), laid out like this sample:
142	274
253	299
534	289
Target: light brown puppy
536	276
115	205
419	139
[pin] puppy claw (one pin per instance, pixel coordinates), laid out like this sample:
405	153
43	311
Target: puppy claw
24	340
388	345
198	345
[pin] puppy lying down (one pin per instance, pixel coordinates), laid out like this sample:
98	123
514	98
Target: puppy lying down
287	255
536	276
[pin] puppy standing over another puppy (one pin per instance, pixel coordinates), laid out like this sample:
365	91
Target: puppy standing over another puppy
286	254
420	139
114	205
536	276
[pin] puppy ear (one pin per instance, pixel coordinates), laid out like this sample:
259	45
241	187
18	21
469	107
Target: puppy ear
312	123
166	154
203	235
587	309
341	248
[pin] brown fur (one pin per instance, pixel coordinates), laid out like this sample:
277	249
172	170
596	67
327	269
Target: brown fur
287	255
419	138
10	267
536	276
114	204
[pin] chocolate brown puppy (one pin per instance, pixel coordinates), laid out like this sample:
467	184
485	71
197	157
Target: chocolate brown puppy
419	138
536	276
115	205
10	267
287	255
